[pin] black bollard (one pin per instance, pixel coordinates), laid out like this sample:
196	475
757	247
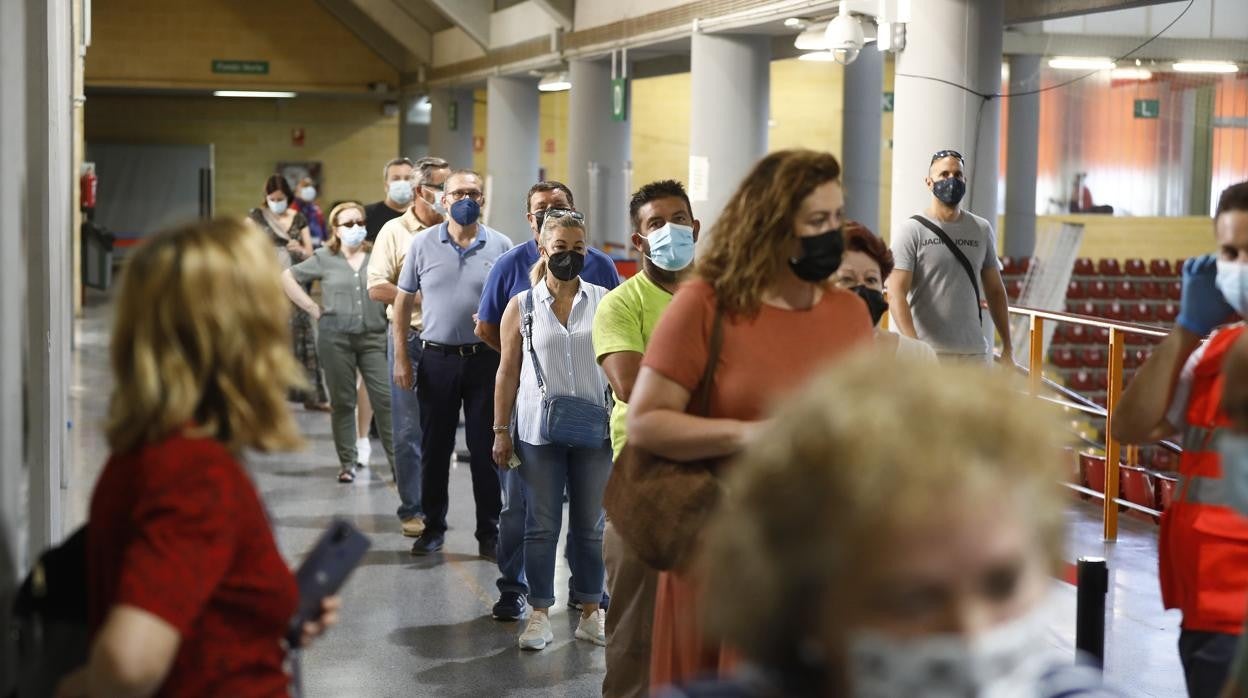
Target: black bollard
1093	585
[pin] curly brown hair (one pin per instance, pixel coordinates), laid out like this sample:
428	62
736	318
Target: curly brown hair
859	238
748	246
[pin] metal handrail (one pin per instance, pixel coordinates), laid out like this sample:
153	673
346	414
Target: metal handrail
1117	353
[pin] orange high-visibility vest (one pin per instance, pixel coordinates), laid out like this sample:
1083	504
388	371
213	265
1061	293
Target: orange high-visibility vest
1204	543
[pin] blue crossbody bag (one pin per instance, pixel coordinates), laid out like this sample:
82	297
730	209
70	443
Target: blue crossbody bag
567	420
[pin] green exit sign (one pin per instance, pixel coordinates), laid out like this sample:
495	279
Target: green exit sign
240	67
619	99
888	102
1147	108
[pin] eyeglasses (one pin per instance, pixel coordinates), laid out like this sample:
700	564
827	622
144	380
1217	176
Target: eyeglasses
465	194
561	212
436	187
941	154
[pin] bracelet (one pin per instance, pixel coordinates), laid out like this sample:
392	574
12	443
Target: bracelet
502	429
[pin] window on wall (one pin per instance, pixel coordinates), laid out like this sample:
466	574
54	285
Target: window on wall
1144	140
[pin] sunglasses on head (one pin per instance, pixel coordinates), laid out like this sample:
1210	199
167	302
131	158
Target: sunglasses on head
942	154
561	212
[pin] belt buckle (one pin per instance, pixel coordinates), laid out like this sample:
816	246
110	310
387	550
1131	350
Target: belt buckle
466	350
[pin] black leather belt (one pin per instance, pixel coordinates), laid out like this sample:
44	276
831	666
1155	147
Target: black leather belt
455	349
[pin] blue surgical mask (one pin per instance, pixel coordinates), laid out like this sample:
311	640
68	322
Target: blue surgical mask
400	192
1232	281
307	193
465	211
352	235
1233	450
277	207
671	247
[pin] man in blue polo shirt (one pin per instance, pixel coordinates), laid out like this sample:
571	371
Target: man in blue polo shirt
508	278
447	266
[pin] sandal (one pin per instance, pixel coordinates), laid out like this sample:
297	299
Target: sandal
346	476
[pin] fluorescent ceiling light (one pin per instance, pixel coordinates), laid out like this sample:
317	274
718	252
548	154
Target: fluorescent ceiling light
1140	74
1205	67
813	39
1078	63
796	22
818	57
554	82
253	93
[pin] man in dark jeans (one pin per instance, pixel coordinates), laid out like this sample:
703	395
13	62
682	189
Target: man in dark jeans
447	265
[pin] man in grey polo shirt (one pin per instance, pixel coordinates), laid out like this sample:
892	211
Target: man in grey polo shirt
935	294
447	266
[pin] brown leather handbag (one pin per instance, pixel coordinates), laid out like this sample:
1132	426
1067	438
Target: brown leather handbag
660	506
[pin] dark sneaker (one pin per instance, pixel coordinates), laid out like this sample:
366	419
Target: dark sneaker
510	606
428	543
488	549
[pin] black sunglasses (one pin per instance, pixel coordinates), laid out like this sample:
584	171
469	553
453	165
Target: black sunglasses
941	154
562	212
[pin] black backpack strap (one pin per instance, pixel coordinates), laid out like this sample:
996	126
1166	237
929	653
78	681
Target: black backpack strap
958	255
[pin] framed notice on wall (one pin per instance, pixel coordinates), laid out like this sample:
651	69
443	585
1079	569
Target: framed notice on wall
295	171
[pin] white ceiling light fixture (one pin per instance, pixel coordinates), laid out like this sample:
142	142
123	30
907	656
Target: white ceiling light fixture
1141	74
1081	63
253	93
818	57
797	22
844	37
555	82
1205	67
813	38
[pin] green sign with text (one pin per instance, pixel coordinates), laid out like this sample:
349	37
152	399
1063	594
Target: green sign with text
619	99
888	102
1147	108
240	67
452	115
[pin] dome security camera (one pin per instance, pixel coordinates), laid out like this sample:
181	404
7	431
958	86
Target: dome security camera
844	37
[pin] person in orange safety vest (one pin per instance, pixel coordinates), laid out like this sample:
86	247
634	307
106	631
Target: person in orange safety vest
1204	542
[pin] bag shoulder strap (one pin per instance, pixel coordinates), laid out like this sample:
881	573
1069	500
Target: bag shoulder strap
526	329
958	255
702	395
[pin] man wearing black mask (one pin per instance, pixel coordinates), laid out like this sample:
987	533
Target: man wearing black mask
946	269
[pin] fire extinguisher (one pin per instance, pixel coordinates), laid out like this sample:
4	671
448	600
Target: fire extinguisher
86	189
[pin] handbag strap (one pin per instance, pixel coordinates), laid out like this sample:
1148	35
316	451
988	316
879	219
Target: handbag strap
526	330
702	394
958	255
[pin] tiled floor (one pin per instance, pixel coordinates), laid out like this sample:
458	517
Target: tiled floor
421	627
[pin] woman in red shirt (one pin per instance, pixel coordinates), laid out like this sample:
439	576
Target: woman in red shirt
187	592
766	269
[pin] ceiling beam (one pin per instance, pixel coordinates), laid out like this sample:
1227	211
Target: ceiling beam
561	11
401	27
1019	11
473	16
371	34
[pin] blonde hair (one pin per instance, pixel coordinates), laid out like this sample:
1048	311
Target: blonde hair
331	223
538	272
869	447
752	239
201	342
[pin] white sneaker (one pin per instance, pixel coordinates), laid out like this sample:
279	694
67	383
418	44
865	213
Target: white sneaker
593	628
363	451
537	634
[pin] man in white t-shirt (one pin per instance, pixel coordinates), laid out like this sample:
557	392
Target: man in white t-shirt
935	294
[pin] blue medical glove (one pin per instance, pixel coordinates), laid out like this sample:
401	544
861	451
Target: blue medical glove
1203	307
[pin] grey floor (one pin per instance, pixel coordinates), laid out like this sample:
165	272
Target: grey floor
421	627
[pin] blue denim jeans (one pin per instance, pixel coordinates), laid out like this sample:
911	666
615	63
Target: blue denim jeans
405	418
511	525
547	471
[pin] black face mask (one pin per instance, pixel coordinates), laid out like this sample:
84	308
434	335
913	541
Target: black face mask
876	305
566	265
821	256
950	191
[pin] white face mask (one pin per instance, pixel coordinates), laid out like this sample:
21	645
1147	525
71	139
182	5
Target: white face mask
308	193
277	207
1004	662
1233	450
400	192
1232	281
352	235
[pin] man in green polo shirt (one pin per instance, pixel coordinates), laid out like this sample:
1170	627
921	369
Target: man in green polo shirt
664	232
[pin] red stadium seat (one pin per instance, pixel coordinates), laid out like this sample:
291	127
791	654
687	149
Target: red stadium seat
1024	264
1126	291
1093	471
1108	267
1168	312
1084	267
1136	267
1014	288
1178	266
1174	290
1078	334
1143	312
1151	290
1081	308
1100	335
1165	491
1164	459
1100	289
1161	268
1135	339
1137	488
1083	381
1065	358
1132	360
1008	265
1076	291
1114	311
1092	358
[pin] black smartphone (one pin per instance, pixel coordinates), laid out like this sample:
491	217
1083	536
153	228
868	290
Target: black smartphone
323	572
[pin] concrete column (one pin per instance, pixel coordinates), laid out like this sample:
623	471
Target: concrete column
1022	165
511	150
730	100
861	137
958	41
598	154
413	127
452	144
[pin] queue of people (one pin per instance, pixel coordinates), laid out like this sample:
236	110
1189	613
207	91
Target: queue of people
755	371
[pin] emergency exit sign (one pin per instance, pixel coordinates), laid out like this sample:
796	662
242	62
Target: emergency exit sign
619	99
240	67
1147	108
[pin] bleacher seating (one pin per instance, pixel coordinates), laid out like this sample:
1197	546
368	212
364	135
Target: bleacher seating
1126	291
1136	267
1161	268
1109	267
